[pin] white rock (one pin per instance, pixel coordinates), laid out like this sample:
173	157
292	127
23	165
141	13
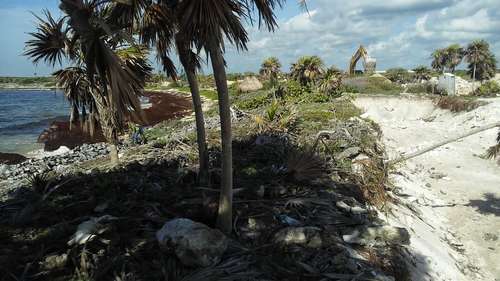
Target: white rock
195	244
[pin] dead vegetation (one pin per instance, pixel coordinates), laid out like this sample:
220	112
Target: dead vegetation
458	104
282	181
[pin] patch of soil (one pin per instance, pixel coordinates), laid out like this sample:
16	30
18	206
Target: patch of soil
11	158
164	106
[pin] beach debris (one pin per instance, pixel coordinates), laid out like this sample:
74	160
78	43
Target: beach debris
307	236
284	219
195	244
349	153
89	229
53	262
355	210
377	235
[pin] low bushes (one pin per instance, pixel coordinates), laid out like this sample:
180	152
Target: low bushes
399	75
488	89
457	104
371	85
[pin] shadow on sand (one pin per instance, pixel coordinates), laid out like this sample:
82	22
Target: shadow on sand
489	205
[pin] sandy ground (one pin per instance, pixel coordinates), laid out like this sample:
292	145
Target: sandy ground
452	195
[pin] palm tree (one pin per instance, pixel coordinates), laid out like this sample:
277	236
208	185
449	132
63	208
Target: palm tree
331	81
207	24
454	55
307	69
438	60
159	27
422	73
270	69
482	62
85	39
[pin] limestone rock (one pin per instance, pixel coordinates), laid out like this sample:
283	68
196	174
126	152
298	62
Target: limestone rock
305	236
378	235
349	153
195	244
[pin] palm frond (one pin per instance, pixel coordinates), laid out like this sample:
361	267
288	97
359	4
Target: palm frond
209	21
49	40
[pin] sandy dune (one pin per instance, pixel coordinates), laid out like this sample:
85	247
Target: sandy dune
453	193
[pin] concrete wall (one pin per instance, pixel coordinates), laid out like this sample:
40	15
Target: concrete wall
447	83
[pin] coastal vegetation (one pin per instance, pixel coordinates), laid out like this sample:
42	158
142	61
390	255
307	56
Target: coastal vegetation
287	170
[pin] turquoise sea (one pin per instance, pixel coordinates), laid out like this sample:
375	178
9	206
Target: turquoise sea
25	114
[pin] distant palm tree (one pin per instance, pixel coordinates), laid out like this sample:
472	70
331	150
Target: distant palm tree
422	73
85	39
482	62
307	69
270	69
439	60
454	55
331	81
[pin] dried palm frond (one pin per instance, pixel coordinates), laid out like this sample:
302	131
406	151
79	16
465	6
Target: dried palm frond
494	151
49	41
231	269
304	165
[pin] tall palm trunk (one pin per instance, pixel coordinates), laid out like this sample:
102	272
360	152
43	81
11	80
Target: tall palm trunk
225	214
75	115
190	70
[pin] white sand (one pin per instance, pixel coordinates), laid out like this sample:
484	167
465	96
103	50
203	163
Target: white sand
455	228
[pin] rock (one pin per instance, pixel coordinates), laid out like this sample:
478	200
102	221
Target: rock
54	262
250	84
305	236
357	164
378	235
87	230
437	175
11	158
349	153
195	244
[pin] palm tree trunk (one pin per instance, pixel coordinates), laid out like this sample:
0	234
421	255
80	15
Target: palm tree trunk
445	142
75	114
225	214
200	121
474	77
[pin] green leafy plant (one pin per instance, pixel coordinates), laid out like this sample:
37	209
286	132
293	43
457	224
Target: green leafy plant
488	89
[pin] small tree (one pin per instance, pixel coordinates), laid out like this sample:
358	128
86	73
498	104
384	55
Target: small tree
453	56
422	73
113	77
307	70
482	62
331	81
438	60
270	69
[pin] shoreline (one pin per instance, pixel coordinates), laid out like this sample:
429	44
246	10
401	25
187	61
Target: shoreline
162	105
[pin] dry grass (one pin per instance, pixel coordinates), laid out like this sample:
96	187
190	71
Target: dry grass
458	104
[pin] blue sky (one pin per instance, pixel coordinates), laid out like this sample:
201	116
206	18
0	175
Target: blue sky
397	32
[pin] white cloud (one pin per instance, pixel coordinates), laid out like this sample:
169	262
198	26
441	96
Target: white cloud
398	33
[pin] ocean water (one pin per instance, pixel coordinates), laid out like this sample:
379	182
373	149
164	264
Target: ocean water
25	114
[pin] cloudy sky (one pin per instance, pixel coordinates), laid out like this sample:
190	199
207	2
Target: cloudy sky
397	32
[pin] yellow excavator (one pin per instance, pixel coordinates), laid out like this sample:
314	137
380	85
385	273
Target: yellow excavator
369	63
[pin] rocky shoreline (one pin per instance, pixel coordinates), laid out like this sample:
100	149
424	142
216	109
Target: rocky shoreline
15	175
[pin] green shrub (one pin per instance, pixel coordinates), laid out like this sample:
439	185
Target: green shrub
488	89
399	75
295	89
419	88
253	102
371	85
